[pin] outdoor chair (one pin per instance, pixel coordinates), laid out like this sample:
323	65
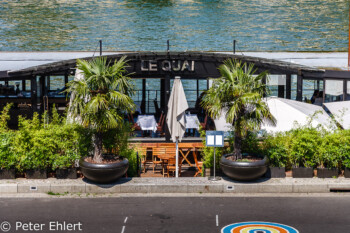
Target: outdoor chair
199	165
156	106
204	124
157	152
171	161
160	127
133	124
142	152
171	166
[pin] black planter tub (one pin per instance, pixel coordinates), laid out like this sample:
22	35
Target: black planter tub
7	174
302	172
36	174
276	172
327	172
243	171
347	172
66	173
103	173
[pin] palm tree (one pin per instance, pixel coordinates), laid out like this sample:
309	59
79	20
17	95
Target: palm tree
101	97
239	93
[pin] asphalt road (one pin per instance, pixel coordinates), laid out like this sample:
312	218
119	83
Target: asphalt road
172	214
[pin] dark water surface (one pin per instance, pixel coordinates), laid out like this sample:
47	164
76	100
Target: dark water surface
208	25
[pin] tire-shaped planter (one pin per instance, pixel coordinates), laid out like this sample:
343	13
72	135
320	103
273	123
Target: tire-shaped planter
243	171
103	173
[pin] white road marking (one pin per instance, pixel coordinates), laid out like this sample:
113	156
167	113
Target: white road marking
126	219
217	220
123	229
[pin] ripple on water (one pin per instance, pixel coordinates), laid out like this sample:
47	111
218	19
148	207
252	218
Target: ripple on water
208	25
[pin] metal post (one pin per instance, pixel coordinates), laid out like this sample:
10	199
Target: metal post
168	45
100	47
299	88
234	46
177	158
214	163
214	178
288	86
138	164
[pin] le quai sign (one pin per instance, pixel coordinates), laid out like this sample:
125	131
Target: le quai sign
167	65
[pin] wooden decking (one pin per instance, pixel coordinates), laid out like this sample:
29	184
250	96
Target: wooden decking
188	151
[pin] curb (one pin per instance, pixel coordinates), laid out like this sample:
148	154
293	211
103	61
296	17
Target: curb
173	185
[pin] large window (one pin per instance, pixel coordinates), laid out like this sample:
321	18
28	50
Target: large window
147	95
277	85
193	89
55	85
313	91
334	90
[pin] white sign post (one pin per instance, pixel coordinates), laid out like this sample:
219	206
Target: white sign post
214	139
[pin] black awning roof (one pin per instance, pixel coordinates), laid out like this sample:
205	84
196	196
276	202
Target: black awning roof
273	66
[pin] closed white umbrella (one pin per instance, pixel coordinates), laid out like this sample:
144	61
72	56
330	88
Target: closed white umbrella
287	112
341	112
177	106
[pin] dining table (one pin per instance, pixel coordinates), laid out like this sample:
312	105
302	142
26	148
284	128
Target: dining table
147	122
192	121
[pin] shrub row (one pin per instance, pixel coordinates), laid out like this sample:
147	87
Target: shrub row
36	145
49	143
308	147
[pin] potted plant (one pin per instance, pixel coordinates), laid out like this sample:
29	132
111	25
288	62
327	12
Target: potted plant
330	153
33	146
34	165
8	160
64	165
304	147
276	149
239	93
98	102
7	156
346	163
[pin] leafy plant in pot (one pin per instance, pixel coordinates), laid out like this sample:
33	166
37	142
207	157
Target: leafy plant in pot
64	165
98	101
346	163
276	149
33	146
8	159
239	94
329	156
304	147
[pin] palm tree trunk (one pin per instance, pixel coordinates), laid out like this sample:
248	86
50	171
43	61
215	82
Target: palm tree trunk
238	144
98	147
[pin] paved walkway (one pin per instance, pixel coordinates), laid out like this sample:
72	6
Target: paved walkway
186	185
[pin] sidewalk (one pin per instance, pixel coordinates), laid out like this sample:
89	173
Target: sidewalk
188	185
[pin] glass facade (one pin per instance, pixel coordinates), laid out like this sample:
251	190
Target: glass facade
193	89
149	99
334	90
313	91
348	90
277	85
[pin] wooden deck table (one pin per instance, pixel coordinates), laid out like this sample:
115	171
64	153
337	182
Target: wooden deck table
185	149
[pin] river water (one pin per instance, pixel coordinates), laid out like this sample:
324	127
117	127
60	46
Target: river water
197	25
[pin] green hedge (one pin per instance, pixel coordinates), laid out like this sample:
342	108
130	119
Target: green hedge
50	143
300	147
309	147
